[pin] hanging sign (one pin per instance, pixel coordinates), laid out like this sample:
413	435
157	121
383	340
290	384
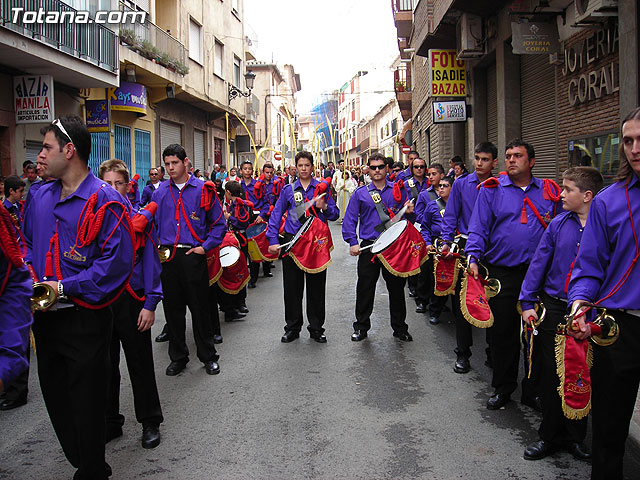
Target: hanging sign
448	74
534	38
128	97
97	115
445	112
33	98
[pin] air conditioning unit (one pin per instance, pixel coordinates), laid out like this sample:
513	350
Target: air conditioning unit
469	37
595	11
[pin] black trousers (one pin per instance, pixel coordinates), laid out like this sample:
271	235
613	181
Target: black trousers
73	368
254	270
555	427
139	355
505	332
293	279
614	379
266	267
425	282
368	274
185	283
19	388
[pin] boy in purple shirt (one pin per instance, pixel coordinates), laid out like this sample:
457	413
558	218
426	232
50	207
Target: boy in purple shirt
606	272
90	260
248	184
546	280
133	316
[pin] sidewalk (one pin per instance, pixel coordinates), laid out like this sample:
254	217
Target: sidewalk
634	428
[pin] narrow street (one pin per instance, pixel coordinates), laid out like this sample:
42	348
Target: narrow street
369	410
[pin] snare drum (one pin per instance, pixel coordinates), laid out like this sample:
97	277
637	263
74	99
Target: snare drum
229	256
401	249
258	245
311	246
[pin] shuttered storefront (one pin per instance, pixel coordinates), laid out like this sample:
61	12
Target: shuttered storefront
143	155
492	105
537	103
198	150
169	133
100	150
122	143
33	149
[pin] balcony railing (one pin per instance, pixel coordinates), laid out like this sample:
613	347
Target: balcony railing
150	34
89	41
402	5
401	80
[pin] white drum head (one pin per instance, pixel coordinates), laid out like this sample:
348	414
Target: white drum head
229	255
389	236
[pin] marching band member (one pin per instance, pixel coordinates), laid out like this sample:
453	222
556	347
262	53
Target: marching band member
456	219
606	272
407	172
269	188
372	206
292	200
15	305
248	184
508	219
133	316
546	281
190	224
13	191
431	221
152	186
80	243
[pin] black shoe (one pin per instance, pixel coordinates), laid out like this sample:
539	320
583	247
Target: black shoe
420	308
498	401
405	336
163	337
462	365
212	367
113	431
319	337
233	315
242	309
289	336
412	293
535	403
433	320
150	436
175	368
358	335
217	339
579	451
252	285
538	450
268	274
9	404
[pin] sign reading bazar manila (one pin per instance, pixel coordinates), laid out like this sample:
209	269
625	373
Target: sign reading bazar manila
448	74
33	98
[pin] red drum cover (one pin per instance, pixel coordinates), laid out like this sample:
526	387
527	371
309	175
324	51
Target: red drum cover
213	265
235	277
259	245
574	359
312	252
473	301
445	271
406	254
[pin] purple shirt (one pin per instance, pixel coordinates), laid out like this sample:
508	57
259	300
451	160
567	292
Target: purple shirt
233	221
209	226
462	199
147	270
268	198
361	207
552	261
134	195
147	193
15	320
286	203
92	272
249	194
419	186
608	247
424	199
431	222
496	234
14	210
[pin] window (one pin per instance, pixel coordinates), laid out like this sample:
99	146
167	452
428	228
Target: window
236	72
143	154
195	41
122	141
599	151
217	58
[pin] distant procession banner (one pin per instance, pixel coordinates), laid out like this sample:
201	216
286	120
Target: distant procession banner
534	38
445	112
33	98
97	115
448	74
128	97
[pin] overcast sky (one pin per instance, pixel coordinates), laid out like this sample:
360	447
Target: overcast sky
327	42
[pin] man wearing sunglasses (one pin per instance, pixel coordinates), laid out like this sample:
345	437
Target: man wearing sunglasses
370	206
80	245
152	186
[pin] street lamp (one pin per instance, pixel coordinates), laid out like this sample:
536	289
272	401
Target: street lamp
234	91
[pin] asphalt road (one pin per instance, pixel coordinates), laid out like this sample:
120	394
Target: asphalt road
378	409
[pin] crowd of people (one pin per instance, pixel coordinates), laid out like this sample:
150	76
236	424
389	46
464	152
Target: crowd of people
106	254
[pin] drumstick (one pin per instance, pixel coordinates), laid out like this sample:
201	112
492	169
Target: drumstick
398	216
308	203
285	244
368	246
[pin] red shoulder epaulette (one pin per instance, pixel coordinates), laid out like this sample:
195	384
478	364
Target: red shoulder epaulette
257	188
550	190
208	193
8	241
397	190
491	182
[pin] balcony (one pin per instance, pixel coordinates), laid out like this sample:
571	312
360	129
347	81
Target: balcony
155	44
90	42
403	16
402	87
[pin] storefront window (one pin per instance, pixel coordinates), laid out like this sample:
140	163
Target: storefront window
600	151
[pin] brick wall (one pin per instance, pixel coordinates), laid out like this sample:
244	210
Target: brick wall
591	117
